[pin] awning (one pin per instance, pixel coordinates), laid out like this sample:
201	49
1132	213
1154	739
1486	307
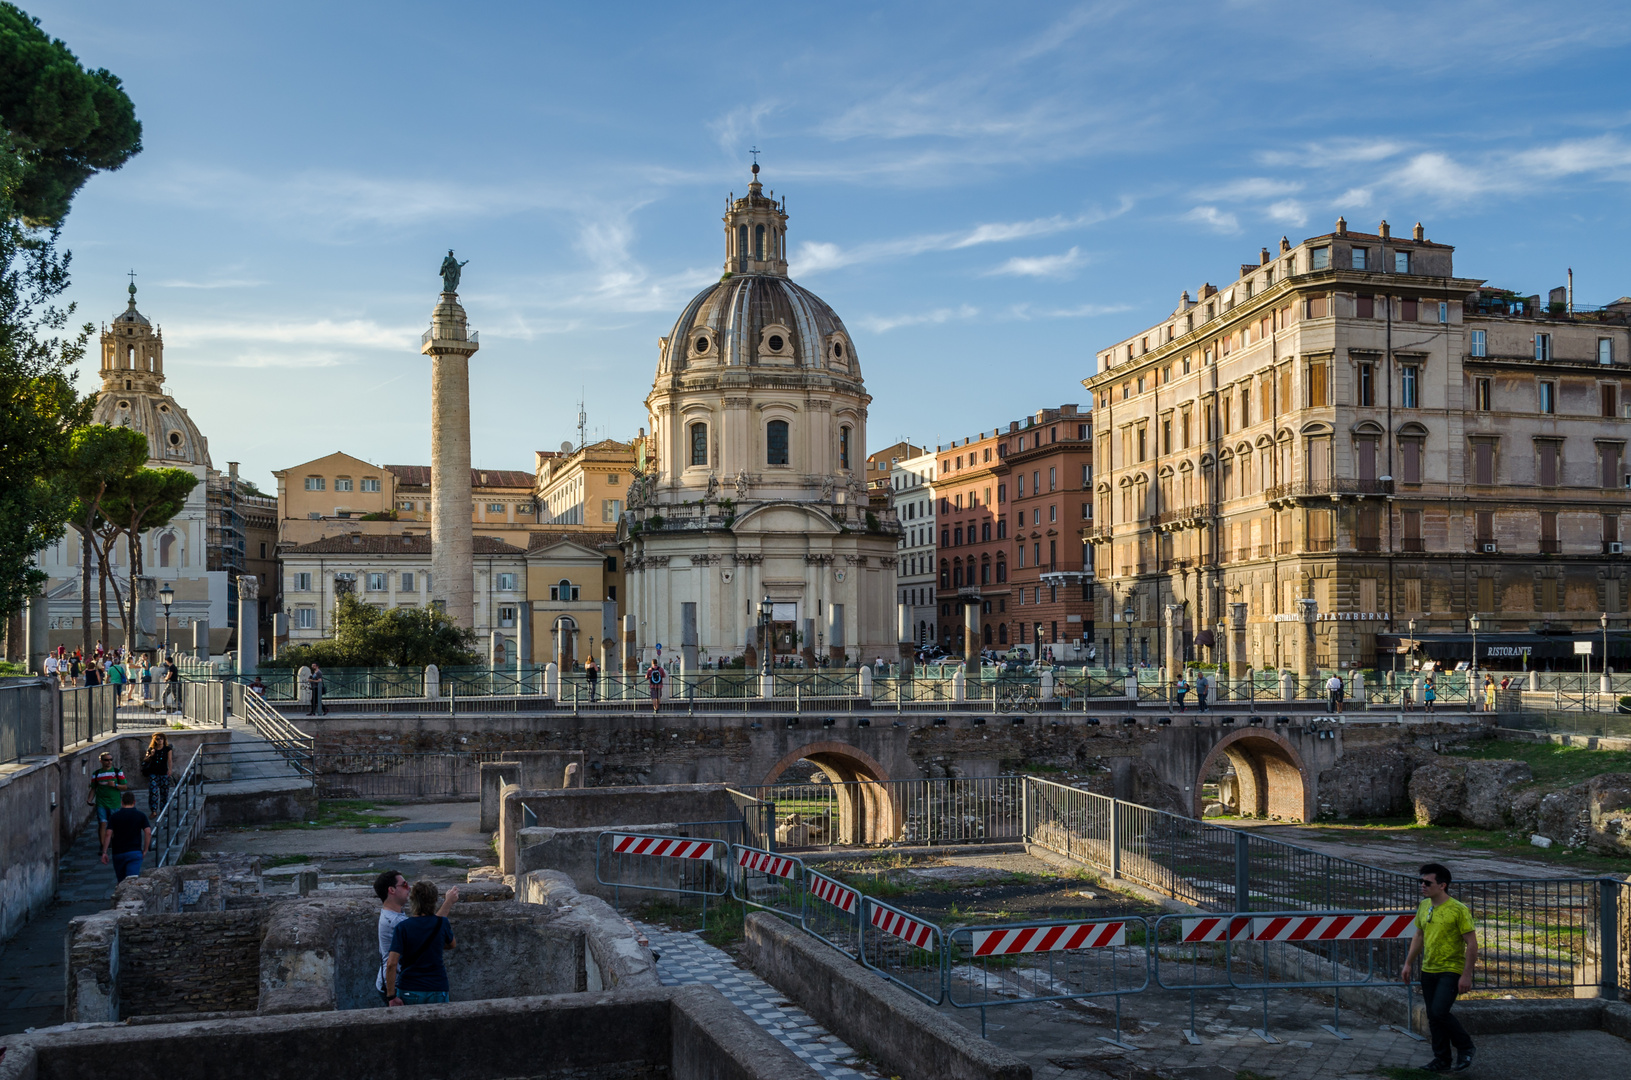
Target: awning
1499	648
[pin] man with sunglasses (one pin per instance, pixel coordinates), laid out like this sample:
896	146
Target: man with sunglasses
1448	945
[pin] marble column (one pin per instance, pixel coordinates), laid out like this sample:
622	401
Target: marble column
971	635
449	344
1306	666
1237	640
1175	650
249	624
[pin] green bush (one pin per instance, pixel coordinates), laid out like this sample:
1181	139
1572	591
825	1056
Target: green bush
655	521
365	636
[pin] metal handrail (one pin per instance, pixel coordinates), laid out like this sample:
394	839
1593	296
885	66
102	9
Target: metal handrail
297	748
181	817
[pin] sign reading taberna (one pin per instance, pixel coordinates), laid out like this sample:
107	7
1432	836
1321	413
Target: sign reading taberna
1338	616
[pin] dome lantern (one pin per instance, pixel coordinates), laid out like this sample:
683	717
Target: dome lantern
756	232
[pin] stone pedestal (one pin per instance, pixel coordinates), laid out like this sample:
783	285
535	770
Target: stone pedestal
450	346
1306	665
37	634
201	639
249	623
1237	641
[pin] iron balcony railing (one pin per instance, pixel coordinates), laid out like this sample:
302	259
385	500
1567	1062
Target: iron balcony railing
1313	489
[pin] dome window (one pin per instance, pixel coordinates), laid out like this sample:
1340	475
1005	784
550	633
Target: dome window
838	349
164	408
776	343
702	343
175	438
776	443
759	242
124	404
843	447
699	444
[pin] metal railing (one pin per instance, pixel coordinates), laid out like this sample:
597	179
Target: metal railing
204	702
967	810
383	774
182	817
88	713
21	708
295	747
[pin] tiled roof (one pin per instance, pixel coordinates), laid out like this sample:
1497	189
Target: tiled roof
596	540
419	476
374	544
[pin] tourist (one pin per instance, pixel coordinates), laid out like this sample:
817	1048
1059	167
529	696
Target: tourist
414	972
1448	946
314	683
1333	690
1429	695
116	679
1182	691
591	675
392	889
147	678
93	673
51	667
106	784
74	664
157	766
1200	692
654	677
127	839
257	687
172	687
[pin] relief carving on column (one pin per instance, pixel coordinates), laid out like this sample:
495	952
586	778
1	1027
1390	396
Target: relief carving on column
705	560
749	559
888	560
738	402
856	560
248	587
818	560
656	560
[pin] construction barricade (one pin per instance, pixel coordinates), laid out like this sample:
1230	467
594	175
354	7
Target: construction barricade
1189	953
832	913
766	880
1051	961
904	949
684	865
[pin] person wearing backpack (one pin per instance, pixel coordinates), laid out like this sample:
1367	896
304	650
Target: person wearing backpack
414	971
157	765
655	676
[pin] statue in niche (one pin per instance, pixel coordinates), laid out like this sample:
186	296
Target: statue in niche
826	489
742	484
452	270
713	485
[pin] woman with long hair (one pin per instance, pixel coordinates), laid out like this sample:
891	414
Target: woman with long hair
157	763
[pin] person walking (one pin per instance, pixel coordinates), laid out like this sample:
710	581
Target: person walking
1489	693
1448	946
116	679
51	667
591	675
107	783
1200	693
93	673
392	889
147	679
127	839
654	677
314	682
414	971
1333	690
1181	691
1429	695
157	765
172	687
74	665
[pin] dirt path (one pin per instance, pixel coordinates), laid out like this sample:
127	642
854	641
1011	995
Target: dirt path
1405	850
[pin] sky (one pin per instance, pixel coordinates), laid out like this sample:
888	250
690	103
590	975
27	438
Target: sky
985	193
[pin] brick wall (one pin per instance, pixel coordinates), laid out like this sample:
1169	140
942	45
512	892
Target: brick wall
202	962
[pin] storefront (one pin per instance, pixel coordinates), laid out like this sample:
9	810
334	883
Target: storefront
1508	651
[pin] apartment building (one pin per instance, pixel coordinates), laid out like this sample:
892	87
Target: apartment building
587	487
1349	445
880	466
911	482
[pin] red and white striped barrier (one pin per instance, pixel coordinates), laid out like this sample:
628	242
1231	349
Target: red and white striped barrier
1218	928
766	863
908	930
1374	927
1030	939
839	896
667	846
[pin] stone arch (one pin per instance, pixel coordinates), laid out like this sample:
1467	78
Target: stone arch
867	814
1272	777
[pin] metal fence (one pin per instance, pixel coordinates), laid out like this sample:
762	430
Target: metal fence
88	713
384	774
966	810
182	817
23	708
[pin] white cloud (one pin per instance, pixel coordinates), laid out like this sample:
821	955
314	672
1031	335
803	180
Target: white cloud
1606	153
739	124
882	324
1354	197
1042	266
1438	174
355	333
1026	312
1213	218
1288	212
219	283
1320	155
1255	187
814	256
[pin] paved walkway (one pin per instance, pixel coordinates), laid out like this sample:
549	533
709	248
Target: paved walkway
686	960
31	962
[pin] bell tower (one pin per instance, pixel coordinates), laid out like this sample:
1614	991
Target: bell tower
132	353
756	232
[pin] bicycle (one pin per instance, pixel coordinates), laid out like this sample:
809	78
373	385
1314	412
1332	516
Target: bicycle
1016	699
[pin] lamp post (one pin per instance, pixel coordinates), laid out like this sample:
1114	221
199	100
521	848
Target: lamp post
1473	623
167	596
1603	622
766	610
1127	617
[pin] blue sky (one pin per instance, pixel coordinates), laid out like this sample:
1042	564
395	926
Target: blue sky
986	193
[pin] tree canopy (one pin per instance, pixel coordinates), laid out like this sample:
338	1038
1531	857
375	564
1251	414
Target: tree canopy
365	636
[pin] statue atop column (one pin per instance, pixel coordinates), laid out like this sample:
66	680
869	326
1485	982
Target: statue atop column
452	270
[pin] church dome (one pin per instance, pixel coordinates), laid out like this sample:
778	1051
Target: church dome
133	393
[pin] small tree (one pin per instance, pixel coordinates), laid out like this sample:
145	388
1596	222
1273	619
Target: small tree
146	500
99	458
365	636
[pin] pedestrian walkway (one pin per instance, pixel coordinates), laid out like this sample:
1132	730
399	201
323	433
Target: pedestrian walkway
686	960
31	977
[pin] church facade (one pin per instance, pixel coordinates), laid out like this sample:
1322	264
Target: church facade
755	491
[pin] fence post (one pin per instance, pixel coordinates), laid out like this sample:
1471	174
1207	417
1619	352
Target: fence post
1608	951
1243	878
1025	810
1115	838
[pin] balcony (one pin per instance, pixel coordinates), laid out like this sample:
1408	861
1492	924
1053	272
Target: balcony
1318	545
1263	551
1097	534
1283	547
1301	490
1412	543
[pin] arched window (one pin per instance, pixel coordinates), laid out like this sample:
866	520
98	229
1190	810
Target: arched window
988	633
1002	570
843	447
1002	634
945	574
776	443
741	242
957	576
759	242
167	545
565	590
699	444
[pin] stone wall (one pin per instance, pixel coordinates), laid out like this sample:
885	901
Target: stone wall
193	963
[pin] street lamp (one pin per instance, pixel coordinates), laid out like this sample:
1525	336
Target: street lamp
1473	622
1603	621
766	610
1127	617
167	596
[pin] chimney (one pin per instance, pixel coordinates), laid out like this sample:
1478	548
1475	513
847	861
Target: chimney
1418	233
1285	245
1382	230
232	466
1342	226
1263	259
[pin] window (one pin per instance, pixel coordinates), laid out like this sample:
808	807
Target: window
1410	460
1318	394
1317	307
407	583
699	444
1543	347
1401	262
843	447
1408	310
610	511
563	591
1365	307
1481	395
776	443
1365	457
612	478
301	582
1053	475
405	504
1367	384
263	551
1360	256
504	582
1443	312
506	616
342	483
1053	513
1605	350
305	618
1002	493
1484	526
611	564
1548	541
1483	462
1019	485
495	508
1610	395
1407	379
370	483
316	483
375	582
1410	520
1548	396
1319	258
1479	343
1611	463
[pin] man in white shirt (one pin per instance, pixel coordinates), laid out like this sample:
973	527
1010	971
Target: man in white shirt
51	665
1333	688
392	889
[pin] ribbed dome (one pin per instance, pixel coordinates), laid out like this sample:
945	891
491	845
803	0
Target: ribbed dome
758	320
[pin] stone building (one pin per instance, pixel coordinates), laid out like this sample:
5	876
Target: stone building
586	487
880	464
912	484
757	491
1349	439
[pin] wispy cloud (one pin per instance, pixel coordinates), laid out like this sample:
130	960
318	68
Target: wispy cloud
739	125
814	256
1358	197
325	333
1321	155
218	283
1213	218
1287	212
1040	266
1027	312
882	324
1253	188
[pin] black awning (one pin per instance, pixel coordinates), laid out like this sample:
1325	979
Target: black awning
1499	648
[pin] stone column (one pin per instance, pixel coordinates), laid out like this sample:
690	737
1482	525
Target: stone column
201	639
1306	666
1175	652
249	623
1237	640
495	646
631	662
452	568
37	633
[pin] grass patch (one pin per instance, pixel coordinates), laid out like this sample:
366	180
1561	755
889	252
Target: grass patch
1549	762
343	814
284	860
725	919
447	862
191	858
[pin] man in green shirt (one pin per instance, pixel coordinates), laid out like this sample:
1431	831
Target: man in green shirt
1448	946
107	782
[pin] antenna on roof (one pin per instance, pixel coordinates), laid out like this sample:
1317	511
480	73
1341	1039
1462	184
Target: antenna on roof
583	423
